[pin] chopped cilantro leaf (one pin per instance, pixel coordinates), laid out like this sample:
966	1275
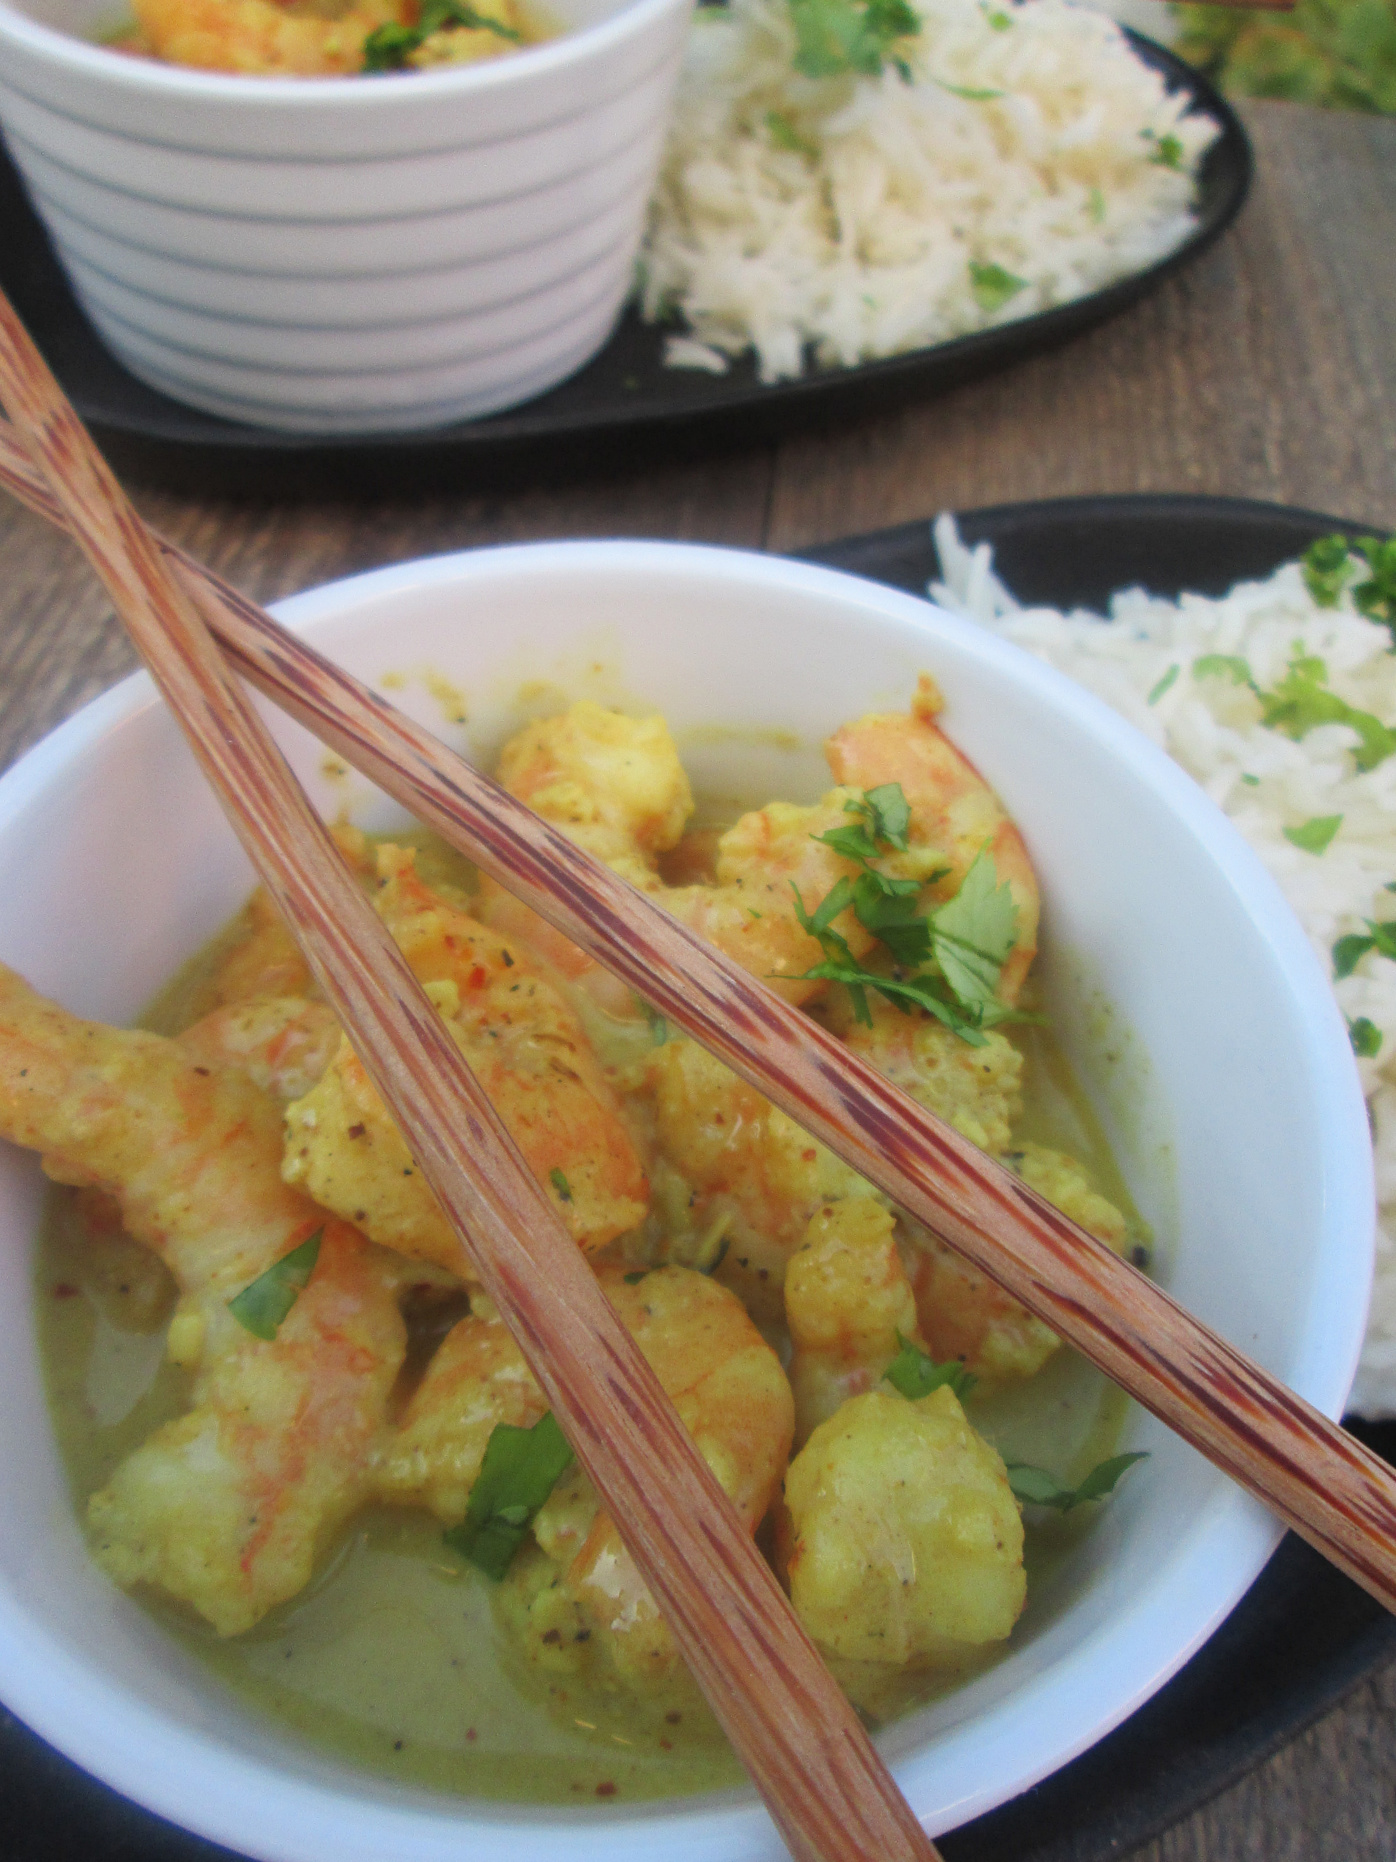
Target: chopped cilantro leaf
973	933
838	36
784	135
388	47
1251	782
520	1469
261	1307
1349	951
887	813
1376	596
1164	684
1223	666
1314	836
834	945
1036	1487
1095	206
967	940
968	92
1327	568
915	1374
1302	701
1365	1037
999	22
992	287
560	1184
1168	150
854	843
633	1280
659	1028
893	918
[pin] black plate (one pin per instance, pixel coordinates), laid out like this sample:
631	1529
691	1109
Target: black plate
622	404
1301	1637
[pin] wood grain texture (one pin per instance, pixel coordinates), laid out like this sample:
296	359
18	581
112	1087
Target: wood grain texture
1267	369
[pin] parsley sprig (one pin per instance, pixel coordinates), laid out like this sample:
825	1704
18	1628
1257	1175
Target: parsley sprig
389	47
835	37
520	1469
947	961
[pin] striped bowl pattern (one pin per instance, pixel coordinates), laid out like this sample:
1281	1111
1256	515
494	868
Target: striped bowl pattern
346	254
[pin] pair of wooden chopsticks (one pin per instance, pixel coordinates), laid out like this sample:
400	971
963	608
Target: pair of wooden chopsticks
824	1785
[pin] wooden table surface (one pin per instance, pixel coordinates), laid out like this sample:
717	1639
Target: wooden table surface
1266	370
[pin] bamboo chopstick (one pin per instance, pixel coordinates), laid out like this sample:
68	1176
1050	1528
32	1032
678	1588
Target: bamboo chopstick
825	1786
1318	1479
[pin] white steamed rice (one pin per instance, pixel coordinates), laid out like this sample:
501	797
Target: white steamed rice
862	246
1212	727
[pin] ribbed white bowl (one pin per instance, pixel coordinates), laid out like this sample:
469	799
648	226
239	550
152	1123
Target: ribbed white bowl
347	253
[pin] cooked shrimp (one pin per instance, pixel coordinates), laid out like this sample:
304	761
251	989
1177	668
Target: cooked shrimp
848	1305
262	958
966	1315
954	812
749	1167
228	1507
729	1389
732	1396
615	785
764	861
904	1542
528	1051
978	1090
260	37
282	1043
477	1379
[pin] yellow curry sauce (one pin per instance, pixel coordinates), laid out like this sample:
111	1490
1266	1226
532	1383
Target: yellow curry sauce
400	1656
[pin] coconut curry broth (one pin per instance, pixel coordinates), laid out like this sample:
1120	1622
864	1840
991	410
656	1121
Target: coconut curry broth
402	1657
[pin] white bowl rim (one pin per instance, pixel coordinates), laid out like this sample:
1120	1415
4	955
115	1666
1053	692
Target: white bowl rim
1136	1664
150	78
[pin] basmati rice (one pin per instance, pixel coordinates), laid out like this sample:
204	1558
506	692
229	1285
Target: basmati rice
1144	661
1033	159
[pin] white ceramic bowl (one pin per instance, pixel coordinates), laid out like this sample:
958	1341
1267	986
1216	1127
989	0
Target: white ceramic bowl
1197	1017
346	254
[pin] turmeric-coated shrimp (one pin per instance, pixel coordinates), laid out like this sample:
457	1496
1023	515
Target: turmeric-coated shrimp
615	785
282	1043
750	1167
848	1305
954	812
262	38
590	1603
530	1055
903	1541
228	1507
977	1089
965	1315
